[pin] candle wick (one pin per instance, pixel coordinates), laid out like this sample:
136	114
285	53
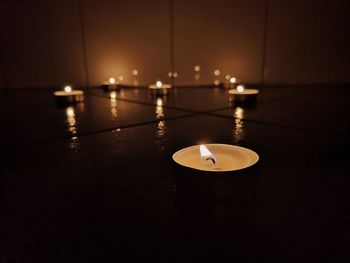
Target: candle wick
212	160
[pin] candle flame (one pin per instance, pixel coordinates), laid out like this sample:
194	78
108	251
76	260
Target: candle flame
233	80
135	72
197	68
240	88
68	88
159	84
206	154
111	80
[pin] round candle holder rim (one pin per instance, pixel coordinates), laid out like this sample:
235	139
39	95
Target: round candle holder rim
217	171
164	86
64	93
244	92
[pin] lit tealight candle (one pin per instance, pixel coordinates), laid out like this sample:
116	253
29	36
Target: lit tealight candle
159	88
68	95
241	94
215	158
231	82
110	84
67	88
111	80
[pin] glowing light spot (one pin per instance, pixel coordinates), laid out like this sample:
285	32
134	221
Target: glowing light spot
113	95
68	88
175	74
227	77
238	113
111	80
197	68
240	88
216	72
135	72
204	151
216	82
159	102
121	78
170	74
159	84
233	80
70	112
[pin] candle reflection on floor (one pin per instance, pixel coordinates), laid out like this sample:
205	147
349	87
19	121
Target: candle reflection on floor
70	112
72	128
238	130
197	77
159	109
161	127
113	104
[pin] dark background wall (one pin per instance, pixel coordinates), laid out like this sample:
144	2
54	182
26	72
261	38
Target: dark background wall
83	42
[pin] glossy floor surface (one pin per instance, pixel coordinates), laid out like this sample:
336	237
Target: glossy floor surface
95	182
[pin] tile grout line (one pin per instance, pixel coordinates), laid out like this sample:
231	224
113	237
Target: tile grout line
85	134
213	114
149	104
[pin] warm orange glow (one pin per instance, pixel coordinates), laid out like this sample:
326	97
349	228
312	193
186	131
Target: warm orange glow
121	78
240	88
111	80
238	113
233	80
216	72
113	95
227	77
170	74
68	88
70	112
159	102
216	82
135	72
197	68
159	84
159	109
175	74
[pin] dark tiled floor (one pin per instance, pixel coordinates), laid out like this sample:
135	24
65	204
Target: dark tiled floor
34	117
204	99
323	111
113	195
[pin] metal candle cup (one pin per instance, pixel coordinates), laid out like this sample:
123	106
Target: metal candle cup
242	95
111	84
226	170
68	95
159	88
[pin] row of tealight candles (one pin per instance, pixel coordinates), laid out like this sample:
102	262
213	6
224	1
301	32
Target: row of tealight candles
209	158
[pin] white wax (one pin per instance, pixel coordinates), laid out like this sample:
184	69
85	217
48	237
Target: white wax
164	86
228	158
244	92
62	93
